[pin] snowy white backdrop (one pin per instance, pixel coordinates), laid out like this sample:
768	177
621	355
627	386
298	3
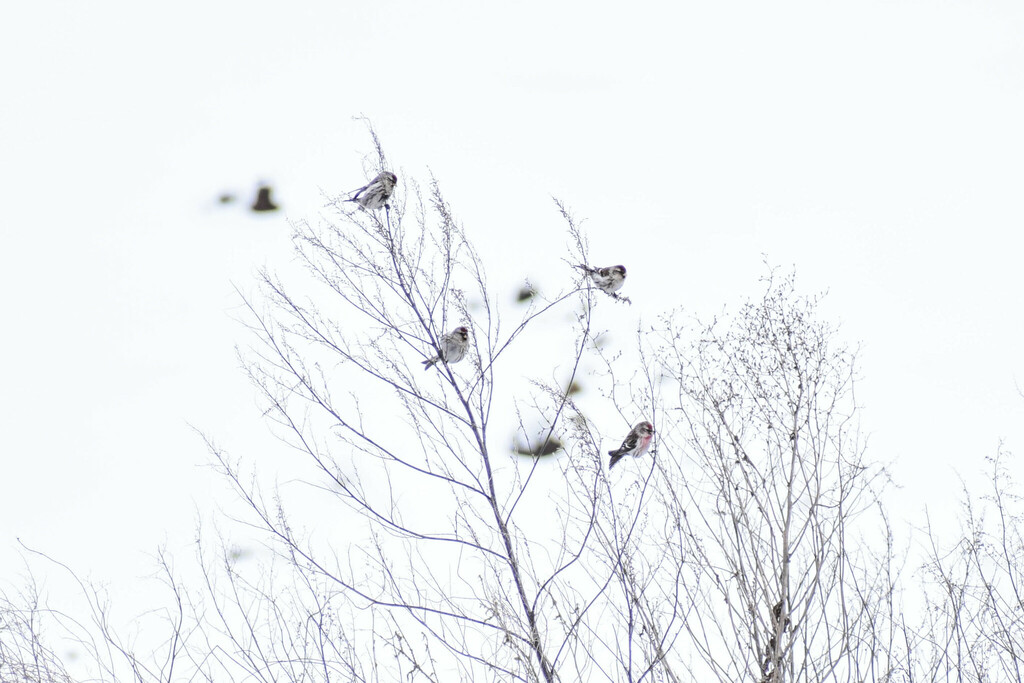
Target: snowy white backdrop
876	149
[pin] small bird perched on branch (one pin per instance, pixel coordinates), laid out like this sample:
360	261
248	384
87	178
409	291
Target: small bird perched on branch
609	280
452	347
636	443
376	193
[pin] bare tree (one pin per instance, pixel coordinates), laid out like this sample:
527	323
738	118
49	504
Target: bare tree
411	539
733	553
974	589
763	479
461	559
738	545
25	654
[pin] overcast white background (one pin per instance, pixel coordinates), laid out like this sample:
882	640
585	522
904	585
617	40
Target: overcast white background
875	147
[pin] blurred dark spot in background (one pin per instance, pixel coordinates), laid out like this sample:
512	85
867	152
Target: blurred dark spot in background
263	202
537	447
526	292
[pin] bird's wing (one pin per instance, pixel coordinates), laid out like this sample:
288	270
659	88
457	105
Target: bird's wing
361	190
627	445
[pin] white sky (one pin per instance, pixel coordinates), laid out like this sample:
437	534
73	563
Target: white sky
877	147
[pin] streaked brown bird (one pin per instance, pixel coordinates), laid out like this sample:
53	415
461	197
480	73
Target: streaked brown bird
452	347
376	193
609	280
636	443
